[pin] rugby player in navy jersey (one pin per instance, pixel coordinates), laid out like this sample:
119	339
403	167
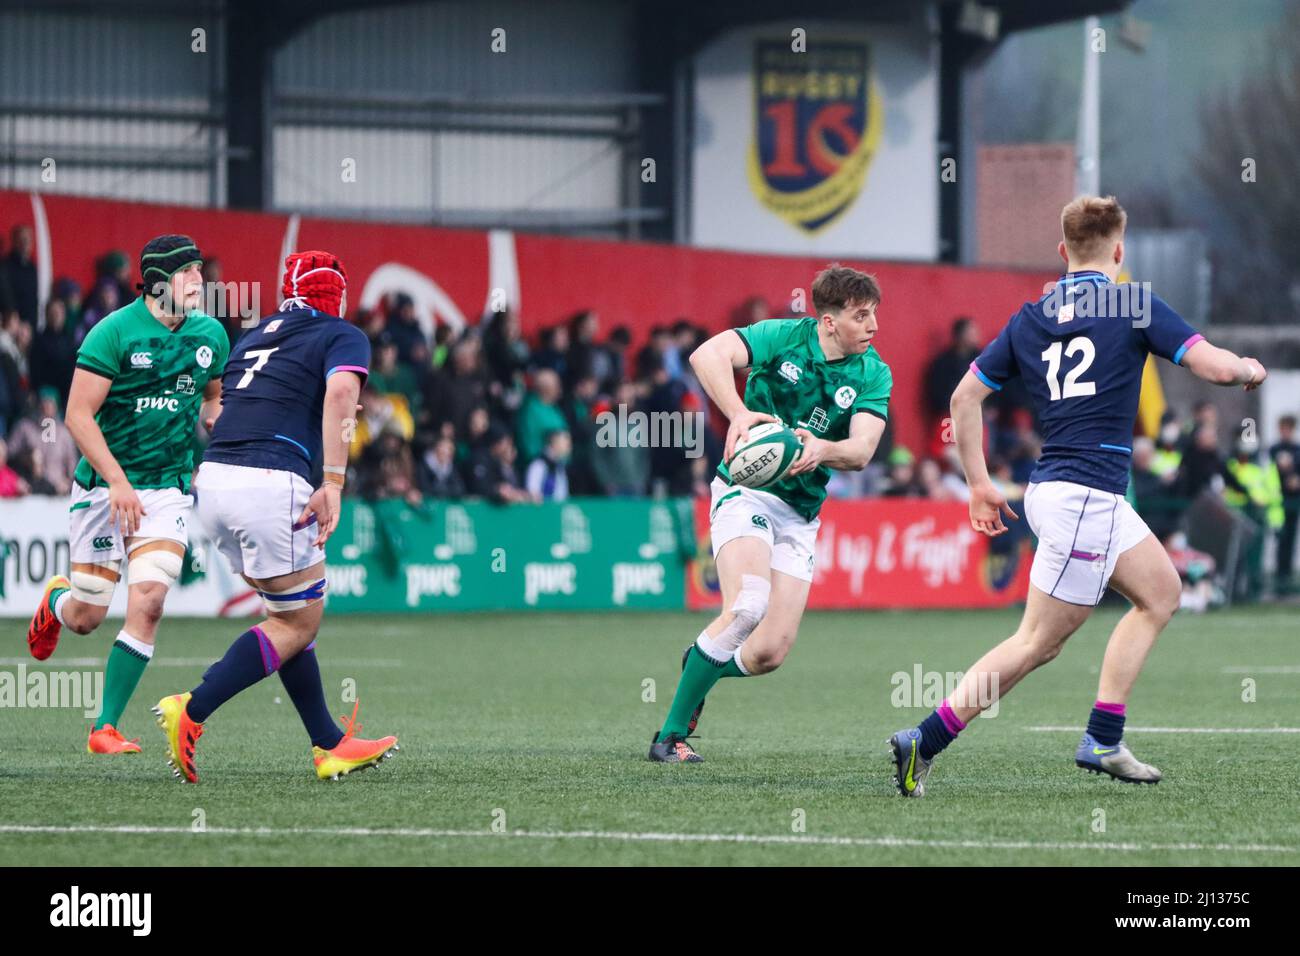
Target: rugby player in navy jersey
1080	350
291	388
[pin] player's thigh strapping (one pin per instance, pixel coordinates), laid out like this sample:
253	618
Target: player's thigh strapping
1081	533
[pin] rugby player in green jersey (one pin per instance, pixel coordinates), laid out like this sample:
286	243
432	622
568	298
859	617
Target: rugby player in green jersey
142	374
822	377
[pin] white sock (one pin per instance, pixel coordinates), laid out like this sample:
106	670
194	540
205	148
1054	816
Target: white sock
711	649
740	662
58	607
135	645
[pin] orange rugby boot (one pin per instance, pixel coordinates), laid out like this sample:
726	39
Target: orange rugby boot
43	632
352	752
107	740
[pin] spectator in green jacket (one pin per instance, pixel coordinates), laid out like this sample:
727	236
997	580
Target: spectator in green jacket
540	414
388	376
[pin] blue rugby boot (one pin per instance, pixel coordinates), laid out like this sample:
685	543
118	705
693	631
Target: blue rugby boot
910	769
1117	761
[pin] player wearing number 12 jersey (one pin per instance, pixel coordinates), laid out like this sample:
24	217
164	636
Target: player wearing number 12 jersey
822	377
290	393
1080	351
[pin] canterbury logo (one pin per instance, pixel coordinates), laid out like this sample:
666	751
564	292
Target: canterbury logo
790	371
100	544
157	402
759	522
141	359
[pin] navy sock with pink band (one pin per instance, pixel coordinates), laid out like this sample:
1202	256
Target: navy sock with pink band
249	659
938	731
1106	723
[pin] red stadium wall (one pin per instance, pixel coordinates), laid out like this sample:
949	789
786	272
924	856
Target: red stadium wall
633	284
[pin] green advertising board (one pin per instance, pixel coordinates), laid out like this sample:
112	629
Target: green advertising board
584	554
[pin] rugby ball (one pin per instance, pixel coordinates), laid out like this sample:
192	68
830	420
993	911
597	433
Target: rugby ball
766	457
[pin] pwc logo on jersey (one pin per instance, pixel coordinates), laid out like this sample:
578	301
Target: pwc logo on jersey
142	360
157	403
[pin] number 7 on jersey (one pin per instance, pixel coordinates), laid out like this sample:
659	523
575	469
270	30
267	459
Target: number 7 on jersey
263	356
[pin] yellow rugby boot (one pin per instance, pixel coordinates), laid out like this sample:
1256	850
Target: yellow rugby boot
182	734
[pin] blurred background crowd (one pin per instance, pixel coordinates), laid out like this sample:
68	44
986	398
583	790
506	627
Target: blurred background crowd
486	413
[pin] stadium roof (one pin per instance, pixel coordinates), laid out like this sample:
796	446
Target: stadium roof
285	17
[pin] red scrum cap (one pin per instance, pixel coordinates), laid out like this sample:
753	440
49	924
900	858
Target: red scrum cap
314	280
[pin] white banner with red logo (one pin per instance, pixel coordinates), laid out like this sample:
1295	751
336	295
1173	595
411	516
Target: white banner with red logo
892	553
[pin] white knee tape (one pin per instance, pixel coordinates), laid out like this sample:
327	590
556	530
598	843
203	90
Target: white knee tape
92	589
161	566
751	602
747	611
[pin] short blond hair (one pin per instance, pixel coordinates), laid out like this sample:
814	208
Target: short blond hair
1090	225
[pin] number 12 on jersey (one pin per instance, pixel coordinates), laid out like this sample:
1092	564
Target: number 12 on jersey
1073	387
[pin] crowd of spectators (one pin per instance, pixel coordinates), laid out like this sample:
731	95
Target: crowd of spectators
445	413
485	412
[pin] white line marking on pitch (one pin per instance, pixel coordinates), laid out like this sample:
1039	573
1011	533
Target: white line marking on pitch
1187	730
657	838
186	662
1264	669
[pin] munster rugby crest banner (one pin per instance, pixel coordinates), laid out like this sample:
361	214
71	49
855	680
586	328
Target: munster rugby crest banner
817	124
816	137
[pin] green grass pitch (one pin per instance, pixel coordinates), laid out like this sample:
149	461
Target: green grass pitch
538	724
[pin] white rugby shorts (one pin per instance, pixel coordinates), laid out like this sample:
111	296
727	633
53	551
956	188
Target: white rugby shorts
1081	533
736	511
93	540
252	514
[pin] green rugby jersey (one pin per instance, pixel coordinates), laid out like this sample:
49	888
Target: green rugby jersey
791	378
153	404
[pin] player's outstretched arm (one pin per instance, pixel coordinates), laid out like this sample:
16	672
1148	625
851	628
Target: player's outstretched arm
715	363
84	401
1222	367
987	504
849	454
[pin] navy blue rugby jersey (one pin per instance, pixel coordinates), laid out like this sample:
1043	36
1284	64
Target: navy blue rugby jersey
1080	350
273	390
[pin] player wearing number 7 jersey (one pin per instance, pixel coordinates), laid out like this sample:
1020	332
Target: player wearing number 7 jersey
1080	351
291	389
